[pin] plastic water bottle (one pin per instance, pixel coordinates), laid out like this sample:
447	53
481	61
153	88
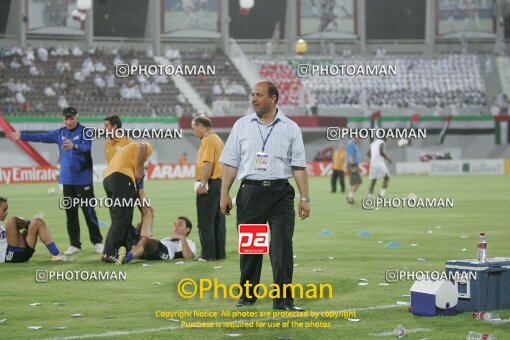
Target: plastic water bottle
479	336
482	248
486	316
400	331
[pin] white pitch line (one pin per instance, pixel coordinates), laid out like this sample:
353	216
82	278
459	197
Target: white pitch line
153	330
409	331
117	333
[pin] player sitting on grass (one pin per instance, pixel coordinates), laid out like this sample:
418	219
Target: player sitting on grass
174	247
16	246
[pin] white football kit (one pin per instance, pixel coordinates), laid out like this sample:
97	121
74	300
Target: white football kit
378	168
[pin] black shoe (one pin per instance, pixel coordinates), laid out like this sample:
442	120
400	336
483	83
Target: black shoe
333	191
290	308
244	303
109	259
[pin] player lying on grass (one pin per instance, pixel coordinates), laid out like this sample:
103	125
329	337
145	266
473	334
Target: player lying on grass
19	246
174	247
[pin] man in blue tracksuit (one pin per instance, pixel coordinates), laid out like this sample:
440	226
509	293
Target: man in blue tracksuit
75	174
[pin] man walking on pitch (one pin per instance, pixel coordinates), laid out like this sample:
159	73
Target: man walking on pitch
377	167
264	150
338	166
353	159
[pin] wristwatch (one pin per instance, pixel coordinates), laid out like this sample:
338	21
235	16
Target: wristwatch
305	199
202	185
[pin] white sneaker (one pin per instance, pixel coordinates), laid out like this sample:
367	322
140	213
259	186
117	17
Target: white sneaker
99	248
72	250
62	257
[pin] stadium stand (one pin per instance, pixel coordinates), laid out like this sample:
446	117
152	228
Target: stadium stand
32	86
420	82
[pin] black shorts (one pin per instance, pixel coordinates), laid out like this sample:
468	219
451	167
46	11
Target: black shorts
160	254
354	177
18	254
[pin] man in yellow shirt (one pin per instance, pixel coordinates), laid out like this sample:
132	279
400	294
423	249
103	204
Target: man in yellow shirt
211	222
113	123
124	170
338	168
113	145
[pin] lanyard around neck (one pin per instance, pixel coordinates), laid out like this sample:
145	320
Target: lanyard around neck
264	141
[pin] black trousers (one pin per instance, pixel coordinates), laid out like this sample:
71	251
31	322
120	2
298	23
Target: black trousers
73	222
211	222
274	205
119	186
334	176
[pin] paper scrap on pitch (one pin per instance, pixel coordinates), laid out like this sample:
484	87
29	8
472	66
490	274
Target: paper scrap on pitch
383	284
76	315
35	304
110	317
180	262
174	320
463	236
406	295
234	334
402	303
59	304
463	249
59	328
364	280
146	265
420	259
331	258
218	267
414	244
156	283
296	265
430	231
362	283
438	227
317	270
34	327
3	320
352	319
294	256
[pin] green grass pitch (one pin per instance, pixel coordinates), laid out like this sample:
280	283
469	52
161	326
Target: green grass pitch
481	204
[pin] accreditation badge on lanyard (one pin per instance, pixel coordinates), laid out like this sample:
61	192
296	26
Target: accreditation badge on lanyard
262	158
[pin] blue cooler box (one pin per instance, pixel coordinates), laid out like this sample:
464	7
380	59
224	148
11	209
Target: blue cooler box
481	286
